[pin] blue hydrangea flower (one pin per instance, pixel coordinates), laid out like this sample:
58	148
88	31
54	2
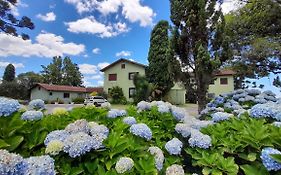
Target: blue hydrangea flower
175	170
260	100
220	116
183	129
8	106
43	165
158	157
237	96
253	92
143	105
130	120
218	100
269	93
141	130
80	143
269	109
122	113
178	113
163	108
102	129
198	124
36	104
174	146
114	113
11	164
124	164
269	163
200	140
60	135
78	126
32	115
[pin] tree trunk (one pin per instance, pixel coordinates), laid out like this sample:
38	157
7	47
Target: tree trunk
202	99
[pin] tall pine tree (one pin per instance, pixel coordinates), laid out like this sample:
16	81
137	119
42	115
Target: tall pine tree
159	57
198	42
9	73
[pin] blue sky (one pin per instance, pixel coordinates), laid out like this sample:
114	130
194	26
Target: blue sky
93	33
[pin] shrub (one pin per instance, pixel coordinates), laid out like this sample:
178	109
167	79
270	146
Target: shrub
78	100
117	95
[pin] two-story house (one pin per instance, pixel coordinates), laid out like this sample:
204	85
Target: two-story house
121	73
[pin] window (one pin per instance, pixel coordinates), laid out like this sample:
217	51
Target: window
66	95
123	66
112	77
223	81
50	93
132	74
132	91
213	81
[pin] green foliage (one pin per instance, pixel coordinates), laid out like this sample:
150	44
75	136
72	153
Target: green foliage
143	89
9	73
158	58
78	100
9	23
62	72
13	90
117	95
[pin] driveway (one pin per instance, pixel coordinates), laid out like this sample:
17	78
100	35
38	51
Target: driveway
50	107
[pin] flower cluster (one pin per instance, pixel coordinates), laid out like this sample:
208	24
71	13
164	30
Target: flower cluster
124	164
129	120
270	109
76	139
78	126
220	116
269	163
200	140
11	163
143	105
277	124
174	146
114	113
59	111
163	108
8	106
158	157
80	143
32	115
36	104
178	113
43	165
183	129
175	170
141	130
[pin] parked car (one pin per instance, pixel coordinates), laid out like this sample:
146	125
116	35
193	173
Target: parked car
95	100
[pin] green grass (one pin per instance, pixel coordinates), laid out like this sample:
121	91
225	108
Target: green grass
119	106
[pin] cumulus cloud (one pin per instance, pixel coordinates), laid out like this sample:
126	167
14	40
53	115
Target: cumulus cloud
132	10
51	16
102	65
17	65
46	45
123	54
92	26
96	50
88	69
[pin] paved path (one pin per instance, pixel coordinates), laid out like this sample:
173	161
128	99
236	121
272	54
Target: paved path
51	107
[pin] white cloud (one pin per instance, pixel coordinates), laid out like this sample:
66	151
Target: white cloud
87	69
46	45
17	65
102	65
96	51
132	10
95	77
51	16
92	26
100	83
123	54
231	5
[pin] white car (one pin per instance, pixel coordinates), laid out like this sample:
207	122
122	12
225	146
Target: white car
95	100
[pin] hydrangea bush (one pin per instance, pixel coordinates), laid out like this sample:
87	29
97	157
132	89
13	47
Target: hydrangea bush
8	106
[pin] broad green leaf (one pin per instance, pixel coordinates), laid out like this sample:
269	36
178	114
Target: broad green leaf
276	157
254	170
3	144
14	142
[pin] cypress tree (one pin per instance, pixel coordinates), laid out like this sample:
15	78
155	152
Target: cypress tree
9	73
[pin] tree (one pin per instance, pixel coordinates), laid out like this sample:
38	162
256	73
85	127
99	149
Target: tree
254	32
143	89
12	89
158	58
117	95
62	72
199	42
9	73
9	23
277	82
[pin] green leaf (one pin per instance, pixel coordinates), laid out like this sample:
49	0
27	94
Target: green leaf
101	170
14	142
206	171
254	170
3	144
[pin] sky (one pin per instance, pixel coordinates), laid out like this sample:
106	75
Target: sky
94	33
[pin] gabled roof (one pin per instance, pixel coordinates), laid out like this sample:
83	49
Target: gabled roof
120	61
63	88
225	72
